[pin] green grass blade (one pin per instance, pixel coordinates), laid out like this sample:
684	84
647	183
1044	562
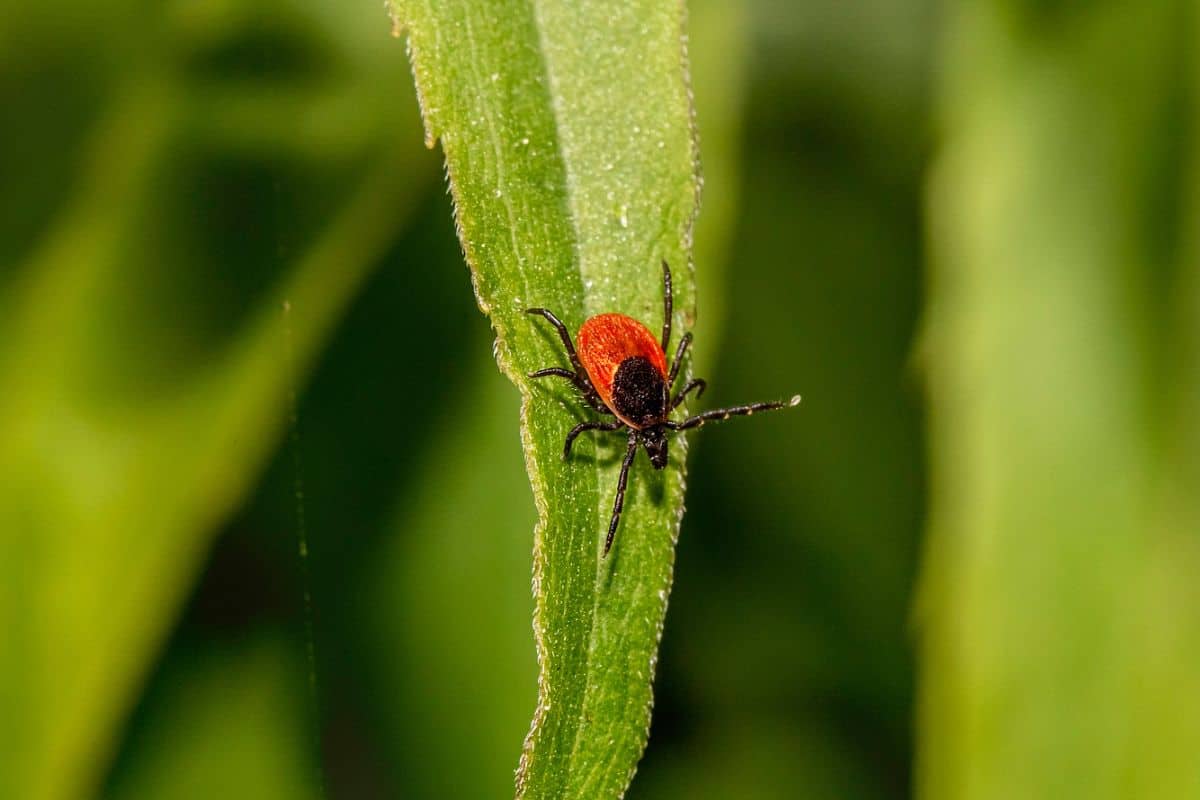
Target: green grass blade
117	468
1059	601
440	576
568	140
225	722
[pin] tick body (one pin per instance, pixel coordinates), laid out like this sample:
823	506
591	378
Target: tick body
627	367
621	371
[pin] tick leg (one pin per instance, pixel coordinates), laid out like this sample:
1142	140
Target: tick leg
666	331
621	481
562	334
684	343
718	414
588	426
580	376
696	383
579	382
557	372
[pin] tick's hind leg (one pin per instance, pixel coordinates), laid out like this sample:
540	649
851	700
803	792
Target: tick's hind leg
579	377
555	372
562	334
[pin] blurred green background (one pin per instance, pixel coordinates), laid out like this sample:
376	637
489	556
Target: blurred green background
234	320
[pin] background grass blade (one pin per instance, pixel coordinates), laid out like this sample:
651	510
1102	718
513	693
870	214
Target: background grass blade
567	134
229	723
145	360
1059	594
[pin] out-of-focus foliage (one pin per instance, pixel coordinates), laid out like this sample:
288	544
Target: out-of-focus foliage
225	723
224	161
1062	591
171	173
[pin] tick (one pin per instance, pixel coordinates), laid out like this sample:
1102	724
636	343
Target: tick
621	371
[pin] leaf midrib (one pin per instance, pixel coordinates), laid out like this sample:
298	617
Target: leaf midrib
569	193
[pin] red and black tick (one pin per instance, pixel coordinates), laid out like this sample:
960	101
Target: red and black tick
621	371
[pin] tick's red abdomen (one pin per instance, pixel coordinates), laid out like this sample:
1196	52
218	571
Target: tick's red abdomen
606	340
